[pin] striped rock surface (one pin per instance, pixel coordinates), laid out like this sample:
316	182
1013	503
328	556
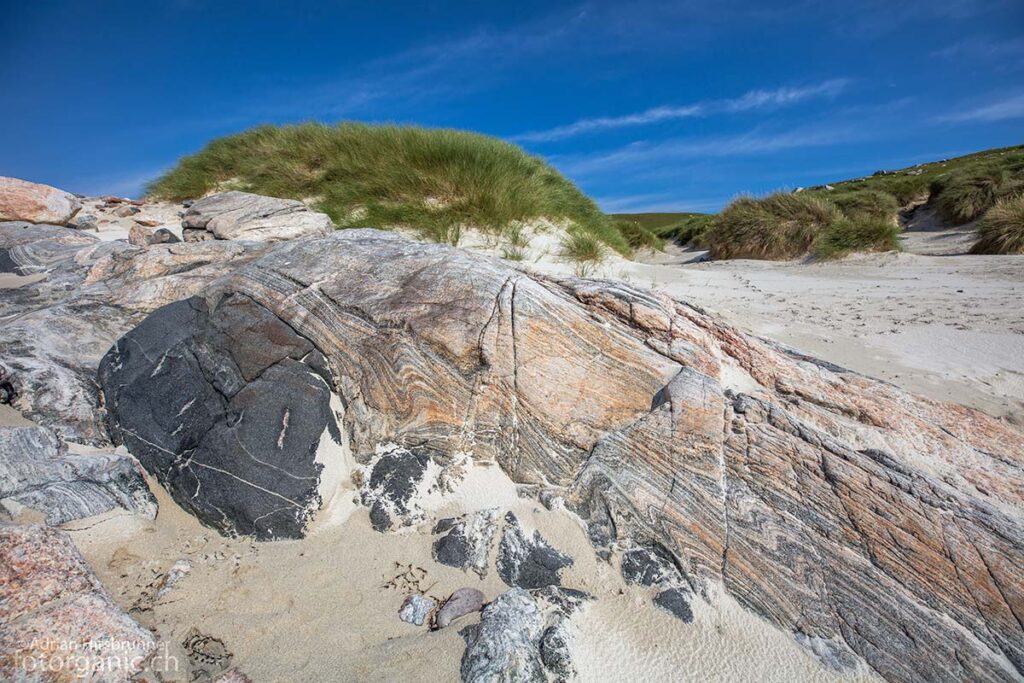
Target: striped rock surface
841	508
861	518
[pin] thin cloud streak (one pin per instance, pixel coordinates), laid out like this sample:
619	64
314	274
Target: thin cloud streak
755	99
1005	110
752	142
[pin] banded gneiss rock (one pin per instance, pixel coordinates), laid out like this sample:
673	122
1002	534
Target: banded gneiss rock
838	507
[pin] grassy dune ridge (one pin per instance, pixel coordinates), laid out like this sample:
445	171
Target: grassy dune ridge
830	221
437	182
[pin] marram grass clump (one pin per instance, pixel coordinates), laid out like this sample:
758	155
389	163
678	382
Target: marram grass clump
964	196
779	226
436	182
859	234
1001	229
790	225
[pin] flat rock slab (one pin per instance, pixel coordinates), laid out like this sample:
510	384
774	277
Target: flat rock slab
36	471
56	620
21	200
244	216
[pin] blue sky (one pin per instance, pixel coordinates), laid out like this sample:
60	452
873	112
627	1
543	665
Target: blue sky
648	106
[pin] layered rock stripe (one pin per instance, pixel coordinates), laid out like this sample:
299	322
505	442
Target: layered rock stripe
836	506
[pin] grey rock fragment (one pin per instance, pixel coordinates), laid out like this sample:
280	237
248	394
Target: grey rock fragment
467	540
462	602
36	471
394	479
650	565
554	650
417	609
676	601
195	235
242	215
505	646
528	561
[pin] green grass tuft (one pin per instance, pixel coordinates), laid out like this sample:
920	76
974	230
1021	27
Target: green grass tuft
1001	229
964	195
436	182
779	226
582	249
865	203
684	229
865	233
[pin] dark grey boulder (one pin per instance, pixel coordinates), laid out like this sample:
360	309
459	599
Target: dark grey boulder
225	405
554	650
522	636
505	646
528	561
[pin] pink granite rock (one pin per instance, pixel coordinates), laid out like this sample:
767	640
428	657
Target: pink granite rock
21	200
57	623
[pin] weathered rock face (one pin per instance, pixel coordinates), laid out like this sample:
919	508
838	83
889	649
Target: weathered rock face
55	617
840	508
55	331
244	216
36	471
21	200
226	405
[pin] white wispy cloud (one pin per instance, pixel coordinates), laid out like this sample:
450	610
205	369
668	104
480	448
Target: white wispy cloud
1003	110
755	99
980	47
752	142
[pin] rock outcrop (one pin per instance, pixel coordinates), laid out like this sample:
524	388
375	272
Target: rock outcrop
465	542
860	518
21	200
36	471
243	216
56	330
56	621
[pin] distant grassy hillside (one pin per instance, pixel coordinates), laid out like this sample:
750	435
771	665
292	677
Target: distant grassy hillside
682	228
436	182
862	214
